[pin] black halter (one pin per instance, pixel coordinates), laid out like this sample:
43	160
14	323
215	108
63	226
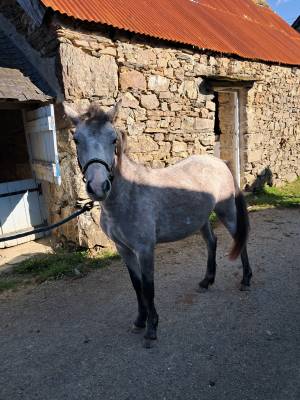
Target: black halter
97	161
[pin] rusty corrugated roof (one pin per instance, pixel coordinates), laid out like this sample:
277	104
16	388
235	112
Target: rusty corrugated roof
227	26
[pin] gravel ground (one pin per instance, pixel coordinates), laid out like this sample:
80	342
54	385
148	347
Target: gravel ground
70	339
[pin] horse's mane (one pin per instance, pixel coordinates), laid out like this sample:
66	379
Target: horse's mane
95	113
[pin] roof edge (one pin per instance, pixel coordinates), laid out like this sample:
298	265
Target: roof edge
170	41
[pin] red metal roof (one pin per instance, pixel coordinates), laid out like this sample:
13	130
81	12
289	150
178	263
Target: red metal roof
227	26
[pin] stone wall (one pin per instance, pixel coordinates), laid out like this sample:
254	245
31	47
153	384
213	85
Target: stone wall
168	111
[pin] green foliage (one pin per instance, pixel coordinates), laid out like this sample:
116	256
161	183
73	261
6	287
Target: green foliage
213	218
60	264
8	284
55	266
286	196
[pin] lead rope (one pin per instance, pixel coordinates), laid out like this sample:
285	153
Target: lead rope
86	207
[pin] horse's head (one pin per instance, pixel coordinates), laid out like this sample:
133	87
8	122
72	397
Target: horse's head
96	142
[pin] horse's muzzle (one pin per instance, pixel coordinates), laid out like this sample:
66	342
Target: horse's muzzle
98	192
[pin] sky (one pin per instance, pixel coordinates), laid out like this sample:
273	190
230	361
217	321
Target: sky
287	9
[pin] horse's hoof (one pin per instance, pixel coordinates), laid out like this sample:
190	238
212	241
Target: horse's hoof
148	343
137	329
244	288
205	283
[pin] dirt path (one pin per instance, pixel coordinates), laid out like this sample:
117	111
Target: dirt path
71	339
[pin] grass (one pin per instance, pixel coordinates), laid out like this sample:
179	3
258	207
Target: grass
286	196
270	197
8	284
54	266
213	218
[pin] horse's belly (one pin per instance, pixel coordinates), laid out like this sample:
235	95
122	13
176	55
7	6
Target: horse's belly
182	215
178	230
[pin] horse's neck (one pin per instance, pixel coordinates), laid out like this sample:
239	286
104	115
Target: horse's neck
130	171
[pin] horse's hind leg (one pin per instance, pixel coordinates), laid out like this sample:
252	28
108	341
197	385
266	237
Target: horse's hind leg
211	243
226	211
247	272
135	275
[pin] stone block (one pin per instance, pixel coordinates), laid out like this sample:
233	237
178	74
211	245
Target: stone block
165	95
157	164
146	57
162	63
128	100
175	107
151	123
137	128
202	70
164	107
164	123
132	79
144	144
169	72
149	101
155	130
110	51
90	235
85	76
254	155
178	147
187	123
210	105
140	114
158	83
158	137
203	124
189	89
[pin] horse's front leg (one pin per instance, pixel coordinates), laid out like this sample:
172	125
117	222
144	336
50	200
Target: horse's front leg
146	262
135	275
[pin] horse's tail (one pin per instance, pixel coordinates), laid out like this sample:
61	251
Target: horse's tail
242	225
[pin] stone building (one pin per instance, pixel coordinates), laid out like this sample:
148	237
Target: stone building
218	77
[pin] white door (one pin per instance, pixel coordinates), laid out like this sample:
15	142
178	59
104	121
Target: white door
41	137
21	209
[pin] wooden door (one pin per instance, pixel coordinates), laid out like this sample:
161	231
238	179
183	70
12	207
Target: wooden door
41	137
21	209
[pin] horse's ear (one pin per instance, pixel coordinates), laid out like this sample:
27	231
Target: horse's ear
124	141
112	114
121	147
71	113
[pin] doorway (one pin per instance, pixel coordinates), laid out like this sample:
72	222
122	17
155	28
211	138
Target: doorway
21	202
228	137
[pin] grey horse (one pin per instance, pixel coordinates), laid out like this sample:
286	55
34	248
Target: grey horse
141	206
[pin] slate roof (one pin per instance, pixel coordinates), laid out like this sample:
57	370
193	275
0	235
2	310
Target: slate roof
19	79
